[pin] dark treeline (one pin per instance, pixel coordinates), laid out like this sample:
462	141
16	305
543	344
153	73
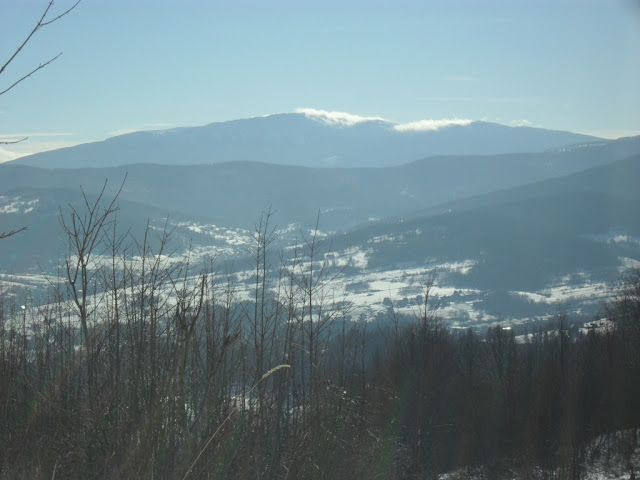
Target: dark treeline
139	366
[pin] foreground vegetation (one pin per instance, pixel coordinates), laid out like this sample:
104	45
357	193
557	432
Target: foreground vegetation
137	366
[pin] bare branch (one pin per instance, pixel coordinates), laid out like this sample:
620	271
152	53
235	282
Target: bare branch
20	80
11	142
55	19
42	22
26	40
11	233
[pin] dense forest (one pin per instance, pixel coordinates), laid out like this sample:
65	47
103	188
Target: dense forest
139	364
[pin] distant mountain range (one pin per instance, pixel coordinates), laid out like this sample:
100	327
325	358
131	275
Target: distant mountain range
233	194
306	140
535	207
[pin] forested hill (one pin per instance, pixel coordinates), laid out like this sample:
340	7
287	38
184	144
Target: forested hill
523	237
233	193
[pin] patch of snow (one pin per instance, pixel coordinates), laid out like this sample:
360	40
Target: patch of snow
601	325
382	239
571	148
628	263
613	237
615	456
16	205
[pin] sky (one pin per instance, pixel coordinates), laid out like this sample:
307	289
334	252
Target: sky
155	64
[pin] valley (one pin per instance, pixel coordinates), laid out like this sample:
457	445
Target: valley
504	249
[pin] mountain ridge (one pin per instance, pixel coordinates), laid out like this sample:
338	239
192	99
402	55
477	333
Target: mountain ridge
297	139
234	192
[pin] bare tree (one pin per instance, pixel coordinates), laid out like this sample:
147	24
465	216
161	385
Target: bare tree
312	274
85	232
263	322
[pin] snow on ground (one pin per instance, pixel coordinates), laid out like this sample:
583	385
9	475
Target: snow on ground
10	283
564	293
615	456
229	236
376	291
627	263
567	290
615	238
370	291
463	315
15	205
601	325
353	257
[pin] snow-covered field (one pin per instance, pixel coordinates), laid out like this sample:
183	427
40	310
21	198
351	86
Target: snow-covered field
16	205
371	292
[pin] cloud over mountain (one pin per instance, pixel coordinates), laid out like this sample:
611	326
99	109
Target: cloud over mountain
430	125
337	118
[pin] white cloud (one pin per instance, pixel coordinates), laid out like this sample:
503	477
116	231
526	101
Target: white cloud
349	119
6	155
29	143
122	131
141	128
430	125
520	123
337	118
34	142
610	134
31	146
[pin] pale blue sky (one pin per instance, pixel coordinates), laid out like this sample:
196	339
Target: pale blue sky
142	64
